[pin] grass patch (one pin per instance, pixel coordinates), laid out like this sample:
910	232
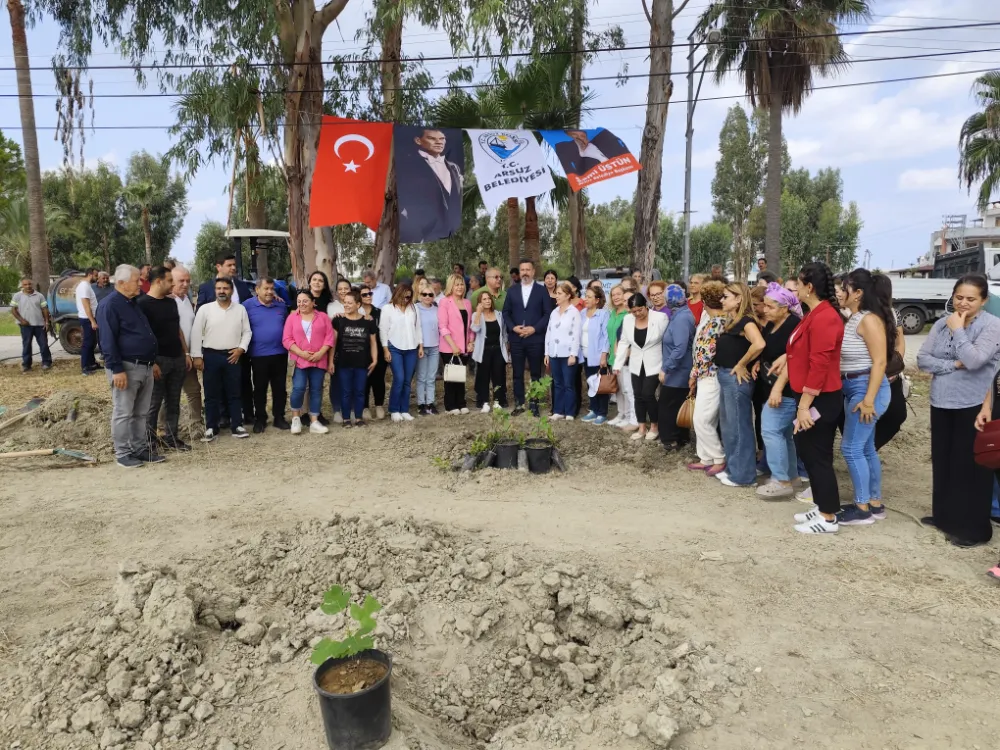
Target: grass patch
8	326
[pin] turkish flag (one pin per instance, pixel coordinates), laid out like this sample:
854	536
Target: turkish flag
352	163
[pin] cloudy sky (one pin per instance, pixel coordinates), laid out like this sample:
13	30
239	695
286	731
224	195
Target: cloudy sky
895	143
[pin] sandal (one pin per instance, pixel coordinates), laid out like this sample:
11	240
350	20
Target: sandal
994	572
699	467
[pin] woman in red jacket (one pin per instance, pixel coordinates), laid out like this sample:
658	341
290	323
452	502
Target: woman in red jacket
813	369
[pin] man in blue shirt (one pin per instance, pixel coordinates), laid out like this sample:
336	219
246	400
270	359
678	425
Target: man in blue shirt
268	356
129	347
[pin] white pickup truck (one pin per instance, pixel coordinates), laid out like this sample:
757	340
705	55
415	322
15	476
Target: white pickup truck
922	301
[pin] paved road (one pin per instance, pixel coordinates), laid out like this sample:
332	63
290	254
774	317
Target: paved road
10	349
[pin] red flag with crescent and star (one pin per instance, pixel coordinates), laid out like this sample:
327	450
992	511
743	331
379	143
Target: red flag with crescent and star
352	163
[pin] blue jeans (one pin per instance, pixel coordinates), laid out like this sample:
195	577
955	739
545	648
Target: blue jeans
599	403
426	372
403	365
995	511
858	442
779	444
353	385
87	360
336	395
564	397
222	389
35	333
736	420
313	378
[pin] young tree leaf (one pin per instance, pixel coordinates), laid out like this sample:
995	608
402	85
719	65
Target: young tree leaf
335	600
327	649
367	625
370	605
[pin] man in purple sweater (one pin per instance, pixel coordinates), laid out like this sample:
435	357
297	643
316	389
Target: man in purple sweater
268	357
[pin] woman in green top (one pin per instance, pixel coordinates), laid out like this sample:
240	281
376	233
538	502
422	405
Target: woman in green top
616	315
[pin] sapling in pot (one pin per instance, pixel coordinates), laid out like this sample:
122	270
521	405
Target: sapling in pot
352	678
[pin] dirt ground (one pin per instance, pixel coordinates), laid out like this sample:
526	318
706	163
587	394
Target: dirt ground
879	637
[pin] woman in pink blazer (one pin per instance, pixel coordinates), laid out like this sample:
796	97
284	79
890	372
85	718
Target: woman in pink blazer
454	319
309	339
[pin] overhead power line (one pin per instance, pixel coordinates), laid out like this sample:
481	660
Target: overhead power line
497	56
488	85
856	84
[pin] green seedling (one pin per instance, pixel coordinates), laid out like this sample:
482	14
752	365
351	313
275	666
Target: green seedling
336	600
440	462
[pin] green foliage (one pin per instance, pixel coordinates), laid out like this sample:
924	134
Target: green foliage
148	182
12	176
979	141
356	640
440	462
15	231
738	181
208	245
538	391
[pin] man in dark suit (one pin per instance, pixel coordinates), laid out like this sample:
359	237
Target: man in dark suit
583	153
225	268
430	191
526	314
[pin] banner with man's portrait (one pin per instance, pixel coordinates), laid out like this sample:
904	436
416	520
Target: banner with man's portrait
589	156
430	164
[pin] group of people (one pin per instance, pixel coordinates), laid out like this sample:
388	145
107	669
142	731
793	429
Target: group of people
774	371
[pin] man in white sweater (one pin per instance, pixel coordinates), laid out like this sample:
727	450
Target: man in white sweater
219	338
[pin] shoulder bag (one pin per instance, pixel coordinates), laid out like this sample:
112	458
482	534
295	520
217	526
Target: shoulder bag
608	382
685	415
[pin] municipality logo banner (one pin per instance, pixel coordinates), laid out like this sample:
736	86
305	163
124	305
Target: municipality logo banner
508	164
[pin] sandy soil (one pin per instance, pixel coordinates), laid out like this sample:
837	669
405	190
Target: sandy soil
880	637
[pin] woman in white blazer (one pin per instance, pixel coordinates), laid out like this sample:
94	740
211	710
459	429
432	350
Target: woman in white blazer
641	347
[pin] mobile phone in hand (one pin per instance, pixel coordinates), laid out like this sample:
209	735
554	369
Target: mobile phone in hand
812	413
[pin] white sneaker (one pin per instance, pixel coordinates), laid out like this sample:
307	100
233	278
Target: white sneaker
379	412
616	422
296	425
818	526
366	414
724	478
805	496
240	432
497	407
463	410
775	490
406	416
318	429
809	515
570	418
485	409
554	417
396	417
338	418
455	412
209	436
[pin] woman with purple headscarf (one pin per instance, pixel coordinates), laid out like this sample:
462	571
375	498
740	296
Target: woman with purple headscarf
783	313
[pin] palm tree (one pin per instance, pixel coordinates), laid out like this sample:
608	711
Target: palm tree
222	115
143	195
38	245
16	232
979	142
775	47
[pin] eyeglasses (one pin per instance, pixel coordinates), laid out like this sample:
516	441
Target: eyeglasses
427	294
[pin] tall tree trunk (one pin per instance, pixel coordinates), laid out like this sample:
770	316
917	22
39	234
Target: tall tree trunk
106	250
148	235
256	217
578	236
301	29
531	239
38	245
578	233
658	92
387	237
513	232
772	197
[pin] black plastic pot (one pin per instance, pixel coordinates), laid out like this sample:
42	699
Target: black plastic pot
486	459
506	451
359	721
539	452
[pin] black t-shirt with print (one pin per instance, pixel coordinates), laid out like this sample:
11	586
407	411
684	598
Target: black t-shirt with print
353	342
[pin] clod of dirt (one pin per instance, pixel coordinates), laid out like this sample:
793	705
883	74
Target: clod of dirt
506	651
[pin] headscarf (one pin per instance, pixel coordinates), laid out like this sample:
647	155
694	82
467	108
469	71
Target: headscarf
675	297
784	298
